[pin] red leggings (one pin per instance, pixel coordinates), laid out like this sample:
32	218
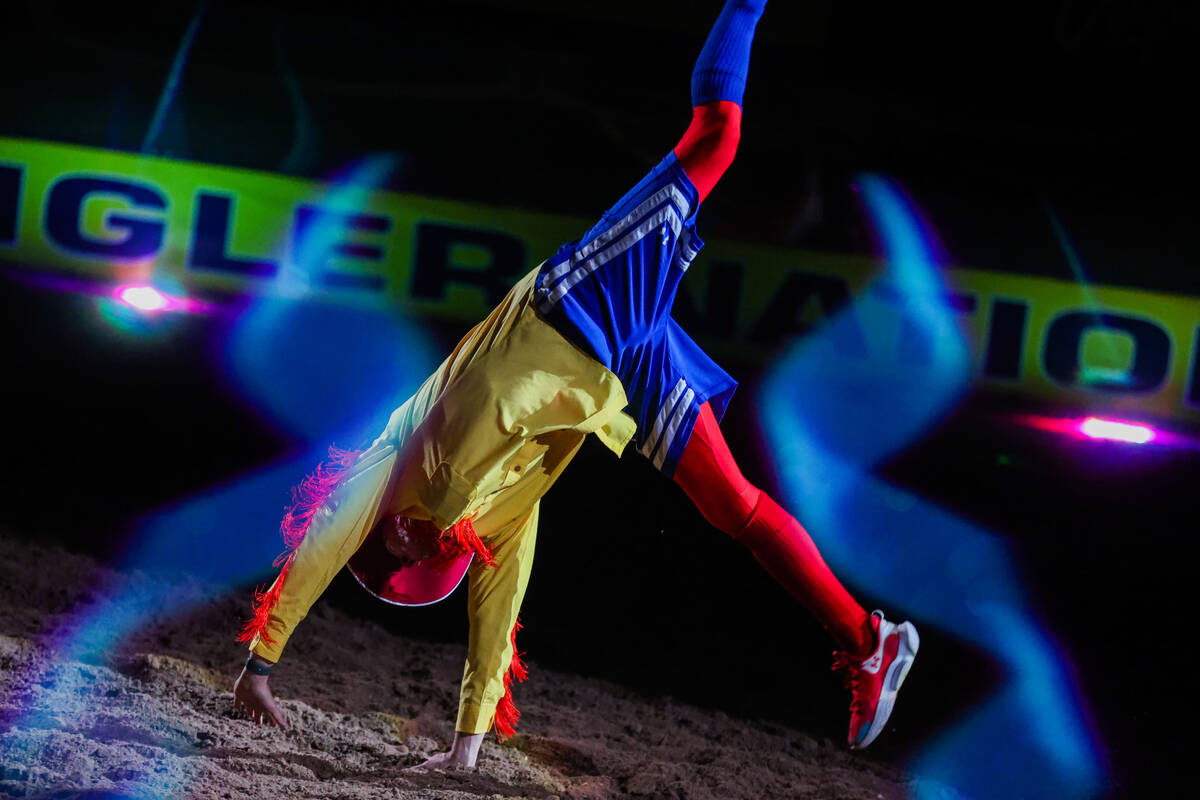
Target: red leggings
711	478
707	471
707	148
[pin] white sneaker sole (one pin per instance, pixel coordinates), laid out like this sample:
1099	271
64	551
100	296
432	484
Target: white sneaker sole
892	681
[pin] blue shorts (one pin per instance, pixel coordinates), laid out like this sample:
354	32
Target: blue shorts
611	293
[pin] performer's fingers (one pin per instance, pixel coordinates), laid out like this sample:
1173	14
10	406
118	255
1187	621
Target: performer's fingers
276	715
278	718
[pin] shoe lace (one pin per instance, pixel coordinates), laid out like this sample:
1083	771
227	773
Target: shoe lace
848	665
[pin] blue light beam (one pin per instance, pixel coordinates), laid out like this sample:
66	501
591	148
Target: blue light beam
171	87
829	420
324	373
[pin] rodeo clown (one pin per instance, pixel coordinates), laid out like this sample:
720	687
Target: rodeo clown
583	344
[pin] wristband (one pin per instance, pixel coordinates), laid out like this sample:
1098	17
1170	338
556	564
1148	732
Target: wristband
257	667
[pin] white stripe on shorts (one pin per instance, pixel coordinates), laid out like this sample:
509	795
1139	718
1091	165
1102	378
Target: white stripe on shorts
667	216
615	230
684	251
673	428
661	421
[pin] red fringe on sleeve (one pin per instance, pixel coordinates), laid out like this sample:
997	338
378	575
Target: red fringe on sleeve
507	712
312	492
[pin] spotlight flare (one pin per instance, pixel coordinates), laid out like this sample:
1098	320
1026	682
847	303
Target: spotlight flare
143	298
1096	428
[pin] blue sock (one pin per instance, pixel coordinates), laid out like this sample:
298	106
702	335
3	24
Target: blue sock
721	70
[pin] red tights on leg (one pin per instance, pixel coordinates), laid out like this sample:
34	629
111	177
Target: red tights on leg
707	471
711	478
709	144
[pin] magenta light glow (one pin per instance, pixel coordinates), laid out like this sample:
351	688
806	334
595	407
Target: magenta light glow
1096	428
150	300
1105	429
143	298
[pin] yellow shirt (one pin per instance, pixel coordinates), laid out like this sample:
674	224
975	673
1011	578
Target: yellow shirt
486	436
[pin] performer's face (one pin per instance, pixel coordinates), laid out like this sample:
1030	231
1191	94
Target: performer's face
411	541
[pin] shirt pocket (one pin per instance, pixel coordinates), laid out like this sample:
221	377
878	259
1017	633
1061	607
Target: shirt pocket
521	463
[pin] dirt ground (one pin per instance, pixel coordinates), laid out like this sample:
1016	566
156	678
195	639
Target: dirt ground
93	706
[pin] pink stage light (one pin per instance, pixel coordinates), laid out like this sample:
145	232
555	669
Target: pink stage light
1096	428
151	301
143	298
1110	430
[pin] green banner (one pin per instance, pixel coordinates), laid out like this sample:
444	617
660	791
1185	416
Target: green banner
122	218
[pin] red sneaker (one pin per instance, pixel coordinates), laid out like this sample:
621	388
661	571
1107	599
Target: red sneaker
874	681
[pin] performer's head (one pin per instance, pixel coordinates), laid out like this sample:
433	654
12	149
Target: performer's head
411	540
417	541
410	562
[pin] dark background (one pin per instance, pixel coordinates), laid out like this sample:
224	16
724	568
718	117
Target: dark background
989	115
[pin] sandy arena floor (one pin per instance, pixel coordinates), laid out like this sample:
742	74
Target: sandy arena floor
152	717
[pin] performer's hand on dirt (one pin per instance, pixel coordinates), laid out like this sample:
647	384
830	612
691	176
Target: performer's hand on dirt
462	753
252	695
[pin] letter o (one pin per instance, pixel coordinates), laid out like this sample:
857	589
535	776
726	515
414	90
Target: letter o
1151	350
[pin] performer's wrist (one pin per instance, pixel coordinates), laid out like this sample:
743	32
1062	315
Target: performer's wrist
257	665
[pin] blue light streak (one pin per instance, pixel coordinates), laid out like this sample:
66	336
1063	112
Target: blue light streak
829	420
171	87
323	373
